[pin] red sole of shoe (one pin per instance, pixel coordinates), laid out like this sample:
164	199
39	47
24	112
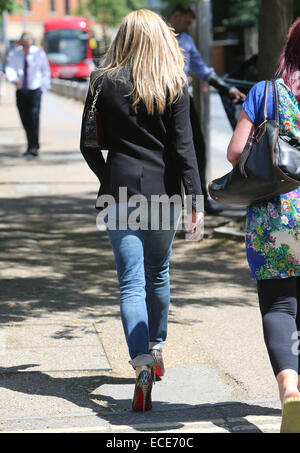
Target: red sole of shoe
139	402
158	371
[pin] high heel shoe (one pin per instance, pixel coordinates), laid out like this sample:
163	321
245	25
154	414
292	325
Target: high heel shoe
157	368
142	392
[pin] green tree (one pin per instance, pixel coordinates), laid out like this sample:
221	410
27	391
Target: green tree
170	4
8	5
243	12
233	12
109	13
296	10
273	19
270	43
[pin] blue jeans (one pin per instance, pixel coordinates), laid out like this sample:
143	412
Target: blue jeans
142	260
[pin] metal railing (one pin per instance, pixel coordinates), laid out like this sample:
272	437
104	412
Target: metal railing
71	89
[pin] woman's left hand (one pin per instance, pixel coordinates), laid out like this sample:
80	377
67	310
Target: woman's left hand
195	224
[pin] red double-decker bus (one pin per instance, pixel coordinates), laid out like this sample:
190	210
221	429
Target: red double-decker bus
67	46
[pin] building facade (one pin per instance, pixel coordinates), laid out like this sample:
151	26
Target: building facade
36	12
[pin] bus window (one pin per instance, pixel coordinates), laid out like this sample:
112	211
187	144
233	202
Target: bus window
66	46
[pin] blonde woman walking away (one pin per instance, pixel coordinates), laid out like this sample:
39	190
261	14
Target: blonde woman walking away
144	106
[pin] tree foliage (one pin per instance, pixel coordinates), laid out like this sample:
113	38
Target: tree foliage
110	12
9	6
270	43
233	12
225	12
296	9
243	11
170	4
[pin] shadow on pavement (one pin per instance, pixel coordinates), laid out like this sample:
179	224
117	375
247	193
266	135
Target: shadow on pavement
86	392
13	151
53	258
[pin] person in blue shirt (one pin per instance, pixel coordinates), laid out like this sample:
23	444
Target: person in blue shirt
181	19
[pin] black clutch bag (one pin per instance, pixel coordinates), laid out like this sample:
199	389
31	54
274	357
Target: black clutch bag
91	130
269	164
92	136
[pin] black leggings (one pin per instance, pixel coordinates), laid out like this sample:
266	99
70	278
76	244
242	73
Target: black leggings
279	301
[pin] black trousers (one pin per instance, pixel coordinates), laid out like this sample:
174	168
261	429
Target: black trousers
279	301
29	104
199	144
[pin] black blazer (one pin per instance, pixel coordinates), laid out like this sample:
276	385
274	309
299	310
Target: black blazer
148	154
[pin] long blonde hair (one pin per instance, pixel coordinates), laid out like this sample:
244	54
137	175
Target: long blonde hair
148	48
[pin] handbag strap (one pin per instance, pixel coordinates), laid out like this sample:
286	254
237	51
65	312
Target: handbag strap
97	85
266	96
275	98
270	84
96	94
261	128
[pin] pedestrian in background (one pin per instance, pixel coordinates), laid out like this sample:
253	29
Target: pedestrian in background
28	69
273	234
2	75
144	106
181	19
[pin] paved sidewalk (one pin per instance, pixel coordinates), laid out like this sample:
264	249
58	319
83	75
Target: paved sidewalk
64	362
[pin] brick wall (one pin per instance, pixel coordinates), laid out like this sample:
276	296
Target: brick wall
40	10
36	15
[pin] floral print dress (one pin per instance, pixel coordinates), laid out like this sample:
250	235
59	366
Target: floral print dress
273	226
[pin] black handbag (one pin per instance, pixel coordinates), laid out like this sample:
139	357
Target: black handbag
268	166
92	130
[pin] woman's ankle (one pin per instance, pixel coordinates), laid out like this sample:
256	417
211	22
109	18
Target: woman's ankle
287	384
140	368
290	392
